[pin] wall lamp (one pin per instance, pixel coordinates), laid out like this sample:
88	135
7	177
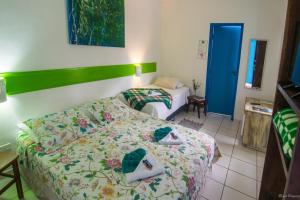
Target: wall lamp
138	70
2	90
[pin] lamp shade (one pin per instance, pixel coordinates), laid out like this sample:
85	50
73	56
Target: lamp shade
2	90
138	70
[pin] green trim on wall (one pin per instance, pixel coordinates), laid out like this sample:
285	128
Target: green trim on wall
21	82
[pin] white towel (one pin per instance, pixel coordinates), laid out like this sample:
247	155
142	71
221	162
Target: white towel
153	94
142	172
168	140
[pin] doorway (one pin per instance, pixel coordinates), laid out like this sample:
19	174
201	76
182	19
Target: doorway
225	43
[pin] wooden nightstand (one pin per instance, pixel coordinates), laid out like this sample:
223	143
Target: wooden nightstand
8	159
256	123
197	102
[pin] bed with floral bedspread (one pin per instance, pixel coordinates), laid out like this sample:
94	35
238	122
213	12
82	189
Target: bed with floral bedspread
90	167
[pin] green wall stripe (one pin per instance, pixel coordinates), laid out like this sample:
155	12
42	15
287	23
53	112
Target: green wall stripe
149	68
21	82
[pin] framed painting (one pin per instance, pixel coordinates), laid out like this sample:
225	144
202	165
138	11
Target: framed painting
96	22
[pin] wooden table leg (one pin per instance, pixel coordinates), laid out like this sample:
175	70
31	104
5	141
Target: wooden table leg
17	177
205	109
198	108
188	105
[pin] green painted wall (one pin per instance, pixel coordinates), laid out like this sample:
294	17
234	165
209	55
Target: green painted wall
21	82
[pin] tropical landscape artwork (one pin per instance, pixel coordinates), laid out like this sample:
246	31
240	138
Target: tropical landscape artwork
96	22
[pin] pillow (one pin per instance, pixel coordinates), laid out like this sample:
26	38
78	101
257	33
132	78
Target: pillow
56	130
24	128
108	110
167	82
179	85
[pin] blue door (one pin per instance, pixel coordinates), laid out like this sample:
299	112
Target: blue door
223	67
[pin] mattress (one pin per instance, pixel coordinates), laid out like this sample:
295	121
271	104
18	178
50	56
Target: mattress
159	109
89	167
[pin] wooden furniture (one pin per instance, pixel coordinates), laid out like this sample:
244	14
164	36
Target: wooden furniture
260	53
197	102
256	123
281	179
256	63
8	159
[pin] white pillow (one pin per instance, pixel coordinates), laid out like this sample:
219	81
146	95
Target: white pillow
179	85
167	82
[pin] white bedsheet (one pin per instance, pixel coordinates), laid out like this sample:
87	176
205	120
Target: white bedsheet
159	109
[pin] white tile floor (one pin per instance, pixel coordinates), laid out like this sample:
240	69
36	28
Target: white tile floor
237	175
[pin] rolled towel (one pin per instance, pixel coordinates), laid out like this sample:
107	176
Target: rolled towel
131	160
161	133
142	172
172	139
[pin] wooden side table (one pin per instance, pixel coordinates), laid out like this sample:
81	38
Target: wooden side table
8	159
197	102
256	123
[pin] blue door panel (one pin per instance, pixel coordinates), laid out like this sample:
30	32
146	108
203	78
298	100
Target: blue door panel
223	66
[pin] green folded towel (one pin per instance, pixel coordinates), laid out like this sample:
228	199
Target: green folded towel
132	160
161	133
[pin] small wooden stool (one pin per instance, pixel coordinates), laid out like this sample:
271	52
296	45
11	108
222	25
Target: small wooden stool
8	159
197	102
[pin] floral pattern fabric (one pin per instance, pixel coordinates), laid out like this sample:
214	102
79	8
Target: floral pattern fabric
90	167
59	129
109	109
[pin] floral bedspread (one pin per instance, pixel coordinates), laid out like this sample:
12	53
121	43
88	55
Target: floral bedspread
90	167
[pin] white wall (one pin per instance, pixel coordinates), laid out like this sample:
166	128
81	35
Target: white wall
184	22
33	36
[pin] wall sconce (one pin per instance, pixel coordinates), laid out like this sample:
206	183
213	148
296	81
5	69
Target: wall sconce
2	90
138	70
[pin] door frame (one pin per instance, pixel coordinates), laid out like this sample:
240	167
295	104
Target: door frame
212	25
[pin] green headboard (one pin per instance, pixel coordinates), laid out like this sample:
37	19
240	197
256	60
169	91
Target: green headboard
21	82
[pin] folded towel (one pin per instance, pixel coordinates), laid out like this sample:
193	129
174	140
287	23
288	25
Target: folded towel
169	140
142	172
153	93
161	133
131	160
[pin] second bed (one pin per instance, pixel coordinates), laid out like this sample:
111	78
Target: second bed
159	109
